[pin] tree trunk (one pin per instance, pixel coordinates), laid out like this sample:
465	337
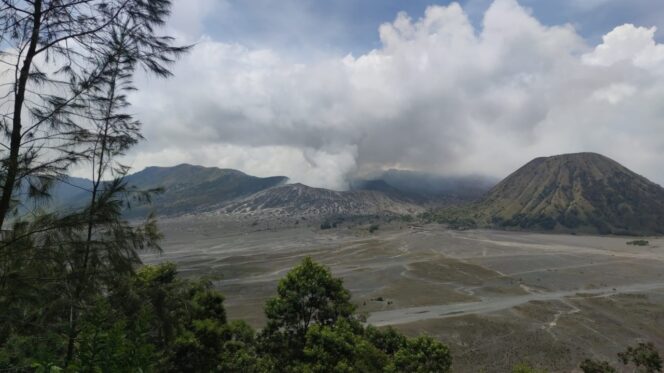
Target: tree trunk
15	144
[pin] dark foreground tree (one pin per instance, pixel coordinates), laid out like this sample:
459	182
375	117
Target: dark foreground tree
421	355
59	55
312	328
72	62
307	296
153	320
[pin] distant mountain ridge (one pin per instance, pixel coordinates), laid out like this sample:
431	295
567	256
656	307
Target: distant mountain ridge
468	187
191	189
187	189
426	189
580	191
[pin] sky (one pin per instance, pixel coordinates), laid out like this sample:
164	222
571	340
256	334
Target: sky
325	91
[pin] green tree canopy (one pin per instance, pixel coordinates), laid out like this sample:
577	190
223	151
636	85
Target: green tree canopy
308	295
422	355
312	328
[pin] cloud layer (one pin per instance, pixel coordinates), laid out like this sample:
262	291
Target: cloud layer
439	95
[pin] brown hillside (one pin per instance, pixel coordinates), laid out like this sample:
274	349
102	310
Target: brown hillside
582	191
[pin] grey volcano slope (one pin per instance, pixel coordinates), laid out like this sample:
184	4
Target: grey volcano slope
302	200
191	189
186	189
195	189
584	192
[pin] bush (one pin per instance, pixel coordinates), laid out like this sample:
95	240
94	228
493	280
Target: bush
407	218
422	355
594	366
644	356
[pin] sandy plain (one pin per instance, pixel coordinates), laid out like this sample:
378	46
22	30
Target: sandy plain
496	298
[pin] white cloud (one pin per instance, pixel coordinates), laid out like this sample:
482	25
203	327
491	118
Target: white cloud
614	93
438	95
628	43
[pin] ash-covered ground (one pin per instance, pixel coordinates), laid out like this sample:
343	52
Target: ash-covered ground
496	298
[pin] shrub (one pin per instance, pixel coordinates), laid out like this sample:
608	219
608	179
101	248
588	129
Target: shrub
594	366
422	355
644	356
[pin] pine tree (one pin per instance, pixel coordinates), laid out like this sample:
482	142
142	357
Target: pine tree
73	63
52	50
